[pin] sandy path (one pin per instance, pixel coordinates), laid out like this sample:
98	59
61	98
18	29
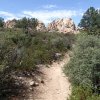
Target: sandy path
56	86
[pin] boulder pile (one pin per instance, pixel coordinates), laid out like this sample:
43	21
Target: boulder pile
62	25
41	26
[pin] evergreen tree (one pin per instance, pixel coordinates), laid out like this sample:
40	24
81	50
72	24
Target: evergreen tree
1	22
91	21
26	23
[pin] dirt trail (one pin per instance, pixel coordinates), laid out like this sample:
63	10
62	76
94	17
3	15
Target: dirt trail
56	86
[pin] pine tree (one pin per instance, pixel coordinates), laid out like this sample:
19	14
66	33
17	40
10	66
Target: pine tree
90	21
1	22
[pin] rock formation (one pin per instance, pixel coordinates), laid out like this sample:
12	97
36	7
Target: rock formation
10	23
62	25
41	26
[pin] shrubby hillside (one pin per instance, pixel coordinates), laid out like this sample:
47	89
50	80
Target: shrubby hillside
22	50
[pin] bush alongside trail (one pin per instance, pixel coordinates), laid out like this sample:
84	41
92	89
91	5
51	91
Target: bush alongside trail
84	67
21	51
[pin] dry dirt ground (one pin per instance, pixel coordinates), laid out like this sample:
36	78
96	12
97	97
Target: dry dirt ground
56	85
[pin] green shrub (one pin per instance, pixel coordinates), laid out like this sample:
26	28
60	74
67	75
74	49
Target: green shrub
22	52
82	93
84	66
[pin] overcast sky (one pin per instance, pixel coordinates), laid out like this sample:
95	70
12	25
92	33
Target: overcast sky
46	10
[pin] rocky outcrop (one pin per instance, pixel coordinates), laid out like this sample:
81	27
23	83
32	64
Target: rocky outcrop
10	24
62	25
41	26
